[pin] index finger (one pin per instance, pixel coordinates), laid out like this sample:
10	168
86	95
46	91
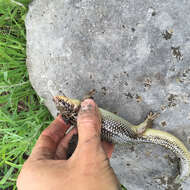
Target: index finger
56	130
46	145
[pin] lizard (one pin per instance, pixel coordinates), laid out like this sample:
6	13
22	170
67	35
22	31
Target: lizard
117	130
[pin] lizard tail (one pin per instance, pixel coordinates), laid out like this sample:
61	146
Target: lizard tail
175	145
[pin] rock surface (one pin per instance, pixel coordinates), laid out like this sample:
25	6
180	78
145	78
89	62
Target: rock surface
135	54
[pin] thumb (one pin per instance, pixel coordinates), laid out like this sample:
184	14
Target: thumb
89	123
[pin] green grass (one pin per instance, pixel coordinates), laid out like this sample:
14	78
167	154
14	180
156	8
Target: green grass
22	114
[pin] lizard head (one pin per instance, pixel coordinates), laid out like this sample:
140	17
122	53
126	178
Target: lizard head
68	108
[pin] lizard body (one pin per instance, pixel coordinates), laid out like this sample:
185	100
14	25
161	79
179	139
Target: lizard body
117	130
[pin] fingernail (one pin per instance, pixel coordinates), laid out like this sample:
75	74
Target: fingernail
87	105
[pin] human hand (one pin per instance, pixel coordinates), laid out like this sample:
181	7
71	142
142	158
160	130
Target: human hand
87	169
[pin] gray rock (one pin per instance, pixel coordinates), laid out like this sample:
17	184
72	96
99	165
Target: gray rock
135	54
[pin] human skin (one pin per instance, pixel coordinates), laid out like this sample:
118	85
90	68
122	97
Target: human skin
87	169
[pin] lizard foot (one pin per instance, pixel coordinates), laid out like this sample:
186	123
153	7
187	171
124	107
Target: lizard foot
152	116
90	94
141	128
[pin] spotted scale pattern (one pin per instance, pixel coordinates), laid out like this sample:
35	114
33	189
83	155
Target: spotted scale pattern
115	131
118	130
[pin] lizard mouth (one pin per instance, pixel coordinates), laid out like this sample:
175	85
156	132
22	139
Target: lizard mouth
68	108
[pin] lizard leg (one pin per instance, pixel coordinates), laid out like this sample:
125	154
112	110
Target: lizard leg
90	94
141	128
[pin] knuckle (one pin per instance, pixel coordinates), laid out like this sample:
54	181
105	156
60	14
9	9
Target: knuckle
88	117
88	123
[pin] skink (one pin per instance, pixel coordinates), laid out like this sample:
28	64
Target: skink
117	130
